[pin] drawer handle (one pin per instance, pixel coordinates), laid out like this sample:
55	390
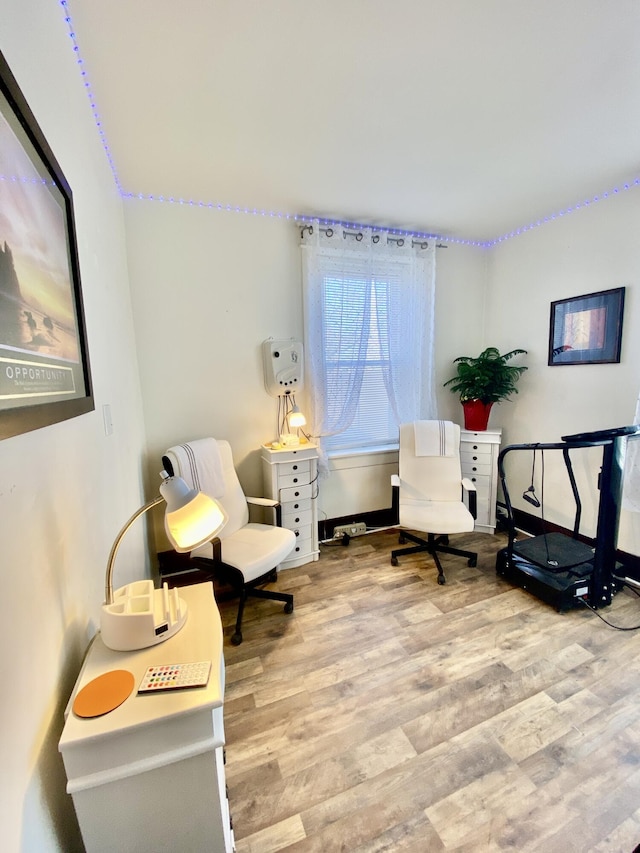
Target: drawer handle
297	532
475	446
295	467
297	494
295	479
297	520
296	506
473	479
474	469
475	458
297	547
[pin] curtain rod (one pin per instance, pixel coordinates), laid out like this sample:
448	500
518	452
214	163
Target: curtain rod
399	241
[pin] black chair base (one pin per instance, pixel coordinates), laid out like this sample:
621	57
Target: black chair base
433	545
256	592
235	579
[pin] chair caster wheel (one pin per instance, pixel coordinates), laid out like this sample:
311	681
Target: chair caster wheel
273	577
401	539
394	561
473	562
441	580
236	639
288	608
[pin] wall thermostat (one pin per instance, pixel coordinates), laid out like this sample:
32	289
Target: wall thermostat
283	366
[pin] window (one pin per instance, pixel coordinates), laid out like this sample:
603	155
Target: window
368	334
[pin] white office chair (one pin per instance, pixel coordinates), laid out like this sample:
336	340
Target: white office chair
245	554
428	491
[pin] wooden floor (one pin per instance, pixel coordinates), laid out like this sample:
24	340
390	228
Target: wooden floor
388	713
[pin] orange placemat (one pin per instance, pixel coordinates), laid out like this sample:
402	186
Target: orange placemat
104	693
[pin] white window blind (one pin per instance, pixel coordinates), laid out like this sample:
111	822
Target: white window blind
368	334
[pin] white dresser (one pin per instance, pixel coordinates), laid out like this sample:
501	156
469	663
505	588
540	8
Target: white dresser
149	775
291	477
479	459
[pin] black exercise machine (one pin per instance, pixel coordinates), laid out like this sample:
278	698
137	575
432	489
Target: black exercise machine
564	570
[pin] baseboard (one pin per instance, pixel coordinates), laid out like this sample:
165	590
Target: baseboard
535	526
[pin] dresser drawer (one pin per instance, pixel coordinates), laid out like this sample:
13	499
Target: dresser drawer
476	448
295	494
298	479
294	518
473	466
295	468
302	546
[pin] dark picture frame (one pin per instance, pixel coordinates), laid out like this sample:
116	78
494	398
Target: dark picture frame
45	375
587	329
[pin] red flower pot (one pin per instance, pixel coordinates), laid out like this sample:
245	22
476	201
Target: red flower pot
476	414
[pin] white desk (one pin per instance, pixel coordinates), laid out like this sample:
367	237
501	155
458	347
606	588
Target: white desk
149	775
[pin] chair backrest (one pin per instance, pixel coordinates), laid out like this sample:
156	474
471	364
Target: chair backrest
232	498
430	477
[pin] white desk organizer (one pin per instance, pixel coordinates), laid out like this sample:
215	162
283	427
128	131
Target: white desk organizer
141	616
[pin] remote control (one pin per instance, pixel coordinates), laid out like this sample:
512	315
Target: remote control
173	676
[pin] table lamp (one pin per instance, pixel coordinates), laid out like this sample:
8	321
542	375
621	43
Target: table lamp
138	615
295	419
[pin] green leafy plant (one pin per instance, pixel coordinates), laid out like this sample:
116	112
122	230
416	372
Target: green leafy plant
486	377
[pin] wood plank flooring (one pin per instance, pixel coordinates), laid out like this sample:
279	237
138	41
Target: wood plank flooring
388	713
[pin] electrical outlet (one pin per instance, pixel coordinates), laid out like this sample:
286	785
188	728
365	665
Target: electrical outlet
356	528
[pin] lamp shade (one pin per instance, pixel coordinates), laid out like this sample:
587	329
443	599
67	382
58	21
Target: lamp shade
296	418
137	615
191	518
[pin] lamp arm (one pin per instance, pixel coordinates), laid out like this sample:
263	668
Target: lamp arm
108	581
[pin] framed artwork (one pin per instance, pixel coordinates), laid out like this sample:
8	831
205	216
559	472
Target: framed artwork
44	364
587	329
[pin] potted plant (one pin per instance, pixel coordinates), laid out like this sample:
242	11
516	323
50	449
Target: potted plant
482	381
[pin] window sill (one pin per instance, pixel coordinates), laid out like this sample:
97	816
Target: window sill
363	457
363	451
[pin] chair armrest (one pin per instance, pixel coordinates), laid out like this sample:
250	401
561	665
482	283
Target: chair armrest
262	502
271	504
472	492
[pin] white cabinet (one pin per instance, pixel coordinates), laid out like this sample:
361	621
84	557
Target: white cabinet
479	459
291	477
149	775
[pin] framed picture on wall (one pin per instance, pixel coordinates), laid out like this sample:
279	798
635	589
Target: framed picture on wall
587	329
44	363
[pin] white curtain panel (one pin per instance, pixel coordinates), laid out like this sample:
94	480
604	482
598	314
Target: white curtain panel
357	282
631	483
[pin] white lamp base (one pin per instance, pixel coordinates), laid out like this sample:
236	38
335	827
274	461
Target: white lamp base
141	616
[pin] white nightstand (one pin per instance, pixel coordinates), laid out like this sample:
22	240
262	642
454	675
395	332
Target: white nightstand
479	459
291	477
149	775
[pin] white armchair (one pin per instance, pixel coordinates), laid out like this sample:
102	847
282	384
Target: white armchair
428	491
245	554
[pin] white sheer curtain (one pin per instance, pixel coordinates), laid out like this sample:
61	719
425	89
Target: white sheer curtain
368	307
631	482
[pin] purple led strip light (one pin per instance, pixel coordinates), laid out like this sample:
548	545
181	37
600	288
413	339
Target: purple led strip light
87	86
296	217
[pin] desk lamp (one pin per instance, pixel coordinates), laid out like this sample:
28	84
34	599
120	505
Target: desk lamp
295	419
138	615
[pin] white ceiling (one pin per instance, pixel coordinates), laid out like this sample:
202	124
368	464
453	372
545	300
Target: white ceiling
466	118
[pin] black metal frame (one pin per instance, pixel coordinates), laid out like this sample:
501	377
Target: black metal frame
24	417
597	579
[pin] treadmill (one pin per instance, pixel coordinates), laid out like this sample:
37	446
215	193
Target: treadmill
564	570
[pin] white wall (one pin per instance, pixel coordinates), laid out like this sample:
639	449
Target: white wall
207	288
65	490
593	249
